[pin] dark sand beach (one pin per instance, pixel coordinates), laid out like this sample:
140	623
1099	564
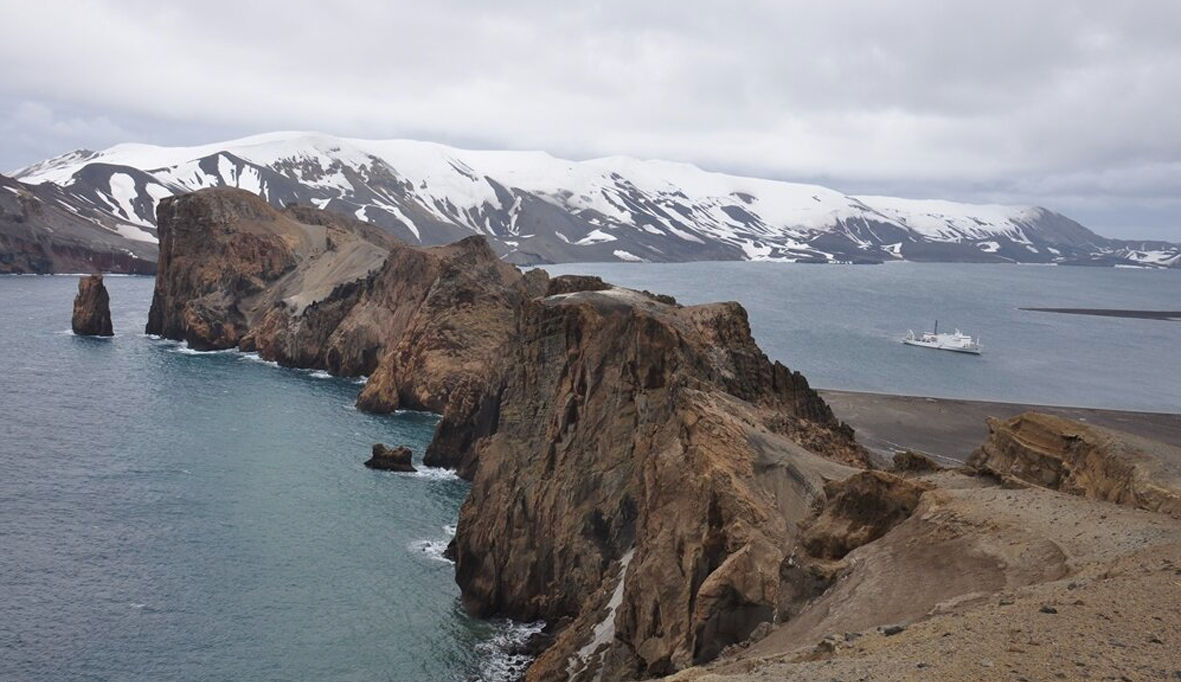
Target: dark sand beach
950	429
1168	315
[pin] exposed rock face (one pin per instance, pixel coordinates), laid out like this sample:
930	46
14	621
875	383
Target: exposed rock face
391	459
1083	460
859	510
644	463
92	308
312	289
228	259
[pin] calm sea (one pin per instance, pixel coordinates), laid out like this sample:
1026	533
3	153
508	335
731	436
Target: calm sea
167	515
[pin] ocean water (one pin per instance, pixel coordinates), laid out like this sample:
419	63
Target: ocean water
167	515
170	515
841	326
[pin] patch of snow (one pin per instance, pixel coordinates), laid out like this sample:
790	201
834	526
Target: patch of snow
628	256
604	631
594	237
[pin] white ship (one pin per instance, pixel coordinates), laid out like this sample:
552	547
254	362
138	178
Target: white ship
958	342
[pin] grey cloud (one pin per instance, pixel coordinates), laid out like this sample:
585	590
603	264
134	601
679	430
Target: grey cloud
1066	104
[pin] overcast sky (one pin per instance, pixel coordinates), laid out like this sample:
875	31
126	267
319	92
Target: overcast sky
1071	105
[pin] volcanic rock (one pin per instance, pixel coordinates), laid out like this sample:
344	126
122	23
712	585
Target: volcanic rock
391	459
645	465
313	289
1085	460
92	308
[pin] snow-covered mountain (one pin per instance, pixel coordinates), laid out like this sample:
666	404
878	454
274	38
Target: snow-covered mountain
536	208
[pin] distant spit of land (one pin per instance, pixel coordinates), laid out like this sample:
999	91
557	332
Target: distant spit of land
950	430
1171	315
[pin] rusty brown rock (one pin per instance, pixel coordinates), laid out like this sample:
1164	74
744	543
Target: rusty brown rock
1085	460
92	308
645	465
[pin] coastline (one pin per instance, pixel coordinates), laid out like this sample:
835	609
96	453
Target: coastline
950	429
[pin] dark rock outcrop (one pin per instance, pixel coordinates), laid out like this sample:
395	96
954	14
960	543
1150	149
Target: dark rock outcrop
391	459
92	308
644	460
1081	459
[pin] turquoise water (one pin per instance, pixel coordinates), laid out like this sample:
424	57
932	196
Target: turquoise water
842	326
172	516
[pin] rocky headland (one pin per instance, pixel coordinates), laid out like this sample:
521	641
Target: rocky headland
644	479
92	308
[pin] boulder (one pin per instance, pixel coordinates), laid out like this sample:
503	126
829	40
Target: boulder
391	459
92	308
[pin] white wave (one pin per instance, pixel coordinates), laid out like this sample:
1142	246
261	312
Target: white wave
435	474
361	380
320	374
432	549
183	349
450	530
254	357
500	657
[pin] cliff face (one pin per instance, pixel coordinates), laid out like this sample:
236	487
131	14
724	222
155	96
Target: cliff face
308	288
92	308
643	461
1083	460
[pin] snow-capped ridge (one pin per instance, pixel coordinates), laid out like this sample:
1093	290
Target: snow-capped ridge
536	207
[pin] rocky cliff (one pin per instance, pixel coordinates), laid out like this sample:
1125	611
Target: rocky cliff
645	460
1083	460
92	308
308	288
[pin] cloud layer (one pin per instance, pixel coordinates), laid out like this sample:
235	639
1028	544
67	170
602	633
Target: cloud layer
1068	105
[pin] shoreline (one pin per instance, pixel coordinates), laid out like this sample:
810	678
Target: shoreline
949	429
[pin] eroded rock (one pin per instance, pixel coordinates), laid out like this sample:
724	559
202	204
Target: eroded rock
391	459
645	465
92	308
1085	460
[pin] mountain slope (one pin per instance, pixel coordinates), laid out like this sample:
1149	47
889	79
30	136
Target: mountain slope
536	208
44	229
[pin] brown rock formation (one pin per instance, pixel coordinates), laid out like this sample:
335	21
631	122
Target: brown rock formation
92	308
644	461
391	459
1083	460
312	289
859	510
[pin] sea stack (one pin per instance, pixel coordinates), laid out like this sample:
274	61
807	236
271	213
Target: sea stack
92	308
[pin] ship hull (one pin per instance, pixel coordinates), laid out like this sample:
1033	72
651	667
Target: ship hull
937	346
